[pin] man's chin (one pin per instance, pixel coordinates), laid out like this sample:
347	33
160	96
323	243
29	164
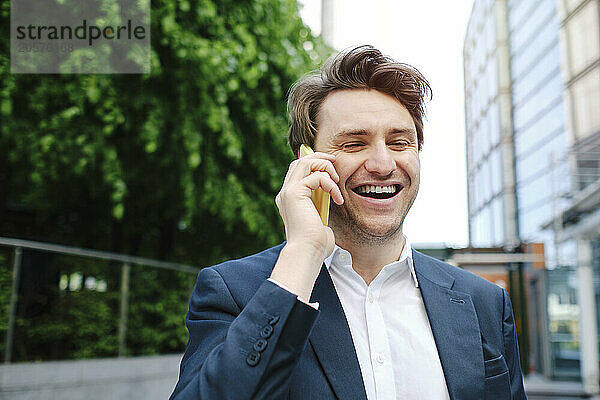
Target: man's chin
367	231
380	233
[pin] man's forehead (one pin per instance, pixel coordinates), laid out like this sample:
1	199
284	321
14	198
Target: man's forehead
358	110
345	99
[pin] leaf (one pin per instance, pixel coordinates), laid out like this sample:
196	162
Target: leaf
118	211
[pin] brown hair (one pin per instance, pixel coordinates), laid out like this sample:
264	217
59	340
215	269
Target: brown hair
362	67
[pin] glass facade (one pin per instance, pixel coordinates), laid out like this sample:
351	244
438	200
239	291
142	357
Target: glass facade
540	144
483	130
541	167
563	313
533	139
539	129
563	321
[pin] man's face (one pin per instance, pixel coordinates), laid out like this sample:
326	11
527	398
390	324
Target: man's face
374	140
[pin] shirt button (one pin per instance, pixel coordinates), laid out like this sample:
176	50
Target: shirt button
380	358
371	298
343	257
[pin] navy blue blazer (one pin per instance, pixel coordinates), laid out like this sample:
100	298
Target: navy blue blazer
250	339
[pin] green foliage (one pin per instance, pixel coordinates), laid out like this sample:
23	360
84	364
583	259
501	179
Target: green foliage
55	322
79	324
157	305
181	164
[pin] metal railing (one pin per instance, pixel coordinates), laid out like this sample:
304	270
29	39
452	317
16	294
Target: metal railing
127	260
587	168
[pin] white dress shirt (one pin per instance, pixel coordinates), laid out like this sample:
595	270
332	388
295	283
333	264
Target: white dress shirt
391	333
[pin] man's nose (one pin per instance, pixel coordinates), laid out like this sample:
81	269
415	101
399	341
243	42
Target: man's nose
380	160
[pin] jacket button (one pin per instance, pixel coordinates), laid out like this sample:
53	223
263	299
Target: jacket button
274	320
266	331
260	345
253	358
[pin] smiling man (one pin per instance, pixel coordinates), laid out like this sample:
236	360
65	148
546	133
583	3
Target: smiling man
349	310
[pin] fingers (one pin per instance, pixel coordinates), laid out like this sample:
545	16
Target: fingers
305	175
313	181
323	180
318	154
304	166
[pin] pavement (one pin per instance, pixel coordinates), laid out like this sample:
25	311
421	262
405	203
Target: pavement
538	387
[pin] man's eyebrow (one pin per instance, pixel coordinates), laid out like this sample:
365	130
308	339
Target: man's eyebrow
365	132
402	131
352	132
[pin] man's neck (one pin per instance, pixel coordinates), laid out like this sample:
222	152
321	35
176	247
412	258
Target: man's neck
369	258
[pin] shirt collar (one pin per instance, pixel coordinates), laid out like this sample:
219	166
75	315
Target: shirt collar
405	256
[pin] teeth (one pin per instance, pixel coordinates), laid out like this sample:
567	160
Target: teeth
376	189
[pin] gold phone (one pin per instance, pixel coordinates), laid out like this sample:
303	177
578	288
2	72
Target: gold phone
319	198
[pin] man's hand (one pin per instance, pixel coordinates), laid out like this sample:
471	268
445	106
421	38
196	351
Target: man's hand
309	242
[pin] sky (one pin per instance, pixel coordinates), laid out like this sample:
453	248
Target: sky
429	35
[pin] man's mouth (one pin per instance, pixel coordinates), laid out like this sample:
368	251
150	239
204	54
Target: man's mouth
377	192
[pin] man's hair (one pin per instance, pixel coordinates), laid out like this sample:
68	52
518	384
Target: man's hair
362	67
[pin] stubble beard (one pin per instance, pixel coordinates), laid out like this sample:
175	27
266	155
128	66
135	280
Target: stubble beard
347	227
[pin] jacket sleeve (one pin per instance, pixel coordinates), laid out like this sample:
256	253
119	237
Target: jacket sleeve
236	353
511	350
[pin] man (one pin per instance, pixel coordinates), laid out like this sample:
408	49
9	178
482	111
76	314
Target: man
349	310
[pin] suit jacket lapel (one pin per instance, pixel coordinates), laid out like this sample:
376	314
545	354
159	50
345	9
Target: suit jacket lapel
455	329
332	342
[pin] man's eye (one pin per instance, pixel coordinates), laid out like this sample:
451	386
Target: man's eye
352	146
399	144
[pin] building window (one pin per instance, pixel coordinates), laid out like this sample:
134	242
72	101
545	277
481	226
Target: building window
586	104
584	46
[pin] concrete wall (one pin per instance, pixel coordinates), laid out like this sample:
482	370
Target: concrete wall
146	378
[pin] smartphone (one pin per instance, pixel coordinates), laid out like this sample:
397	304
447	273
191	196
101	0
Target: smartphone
319	198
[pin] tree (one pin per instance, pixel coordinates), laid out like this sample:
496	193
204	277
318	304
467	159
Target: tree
181	164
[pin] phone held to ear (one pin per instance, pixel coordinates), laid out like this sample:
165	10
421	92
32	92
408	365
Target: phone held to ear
319	198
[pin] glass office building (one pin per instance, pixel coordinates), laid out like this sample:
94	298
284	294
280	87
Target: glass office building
532	102
491	188
541	143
